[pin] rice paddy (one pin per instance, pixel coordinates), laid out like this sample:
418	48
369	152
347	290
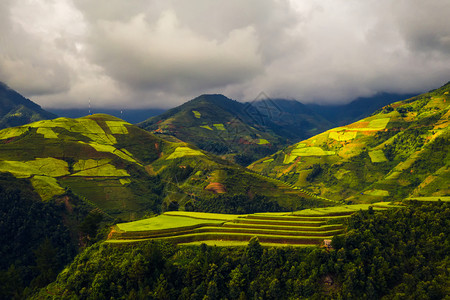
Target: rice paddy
197	114
184	151
377	156
219	126
301	228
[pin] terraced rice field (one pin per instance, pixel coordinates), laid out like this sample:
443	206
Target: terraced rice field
303	228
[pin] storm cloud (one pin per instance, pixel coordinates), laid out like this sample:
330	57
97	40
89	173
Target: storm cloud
129	54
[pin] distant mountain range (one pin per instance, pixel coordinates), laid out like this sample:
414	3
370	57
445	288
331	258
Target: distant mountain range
357	109
242	132
15	110
239	132
245	132
401	151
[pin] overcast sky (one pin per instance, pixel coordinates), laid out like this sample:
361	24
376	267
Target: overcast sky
141	53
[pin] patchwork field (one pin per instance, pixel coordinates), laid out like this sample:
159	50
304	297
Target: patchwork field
301	228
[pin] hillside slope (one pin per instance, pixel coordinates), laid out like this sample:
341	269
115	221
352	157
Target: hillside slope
291	119
400	151
240	132
15	110
343	114
128	173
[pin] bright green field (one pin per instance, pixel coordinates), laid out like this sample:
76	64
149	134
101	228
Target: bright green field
163	222
201	215
184	151
306	227
436	198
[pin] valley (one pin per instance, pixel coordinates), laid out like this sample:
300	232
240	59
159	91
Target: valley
178	181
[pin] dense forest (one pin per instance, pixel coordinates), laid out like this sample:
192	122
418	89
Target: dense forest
37	239
401	253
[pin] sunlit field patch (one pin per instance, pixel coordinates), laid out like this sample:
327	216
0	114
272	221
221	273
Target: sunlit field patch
197	114
47	187
342	135
117	127
41	166
12	132
184	151
219	126
377	156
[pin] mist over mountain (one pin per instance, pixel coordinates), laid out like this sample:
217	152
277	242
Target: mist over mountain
357	109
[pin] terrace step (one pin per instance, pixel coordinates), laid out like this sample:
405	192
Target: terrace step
277	222
308	240
286	228
295	218
221	230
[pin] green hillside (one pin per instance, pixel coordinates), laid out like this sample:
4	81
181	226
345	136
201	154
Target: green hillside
15	110
129	173
375	258
400	151
239	132
300	228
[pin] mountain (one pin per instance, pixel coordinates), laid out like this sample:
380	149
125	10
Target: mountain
126	172
63	181
290	119
400	151
219	125
242	132
357	109
132	116
15	110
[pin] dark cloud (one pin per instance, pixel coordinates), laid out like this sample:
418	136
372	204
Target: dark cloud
161	53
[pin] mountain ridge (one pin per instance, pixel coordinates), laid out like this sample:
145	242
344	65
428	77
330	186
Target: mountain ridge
399	151
16	110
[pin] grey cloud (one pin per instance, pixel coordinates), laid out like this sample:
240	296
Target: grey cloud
165	55
161	53
29	62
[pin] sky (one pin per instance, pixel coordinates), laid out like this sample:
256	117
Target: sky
142	53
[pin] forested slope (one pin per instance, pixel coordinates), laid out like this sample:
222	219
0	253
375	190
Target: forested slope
396	254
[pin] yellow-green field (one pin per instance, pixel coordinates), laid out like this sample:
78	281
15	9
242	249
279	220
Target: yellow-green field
219	126
184	151
300	228
436	198
197	114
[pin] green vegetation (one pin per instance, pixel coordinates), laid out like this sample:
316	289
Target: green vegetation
15	110
40	166
263	142
401	151
197	114
46	187
206	127
37	239
342	135
382	254
219	126
377	156
184	151
129	173
105	170
302	227
164	222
